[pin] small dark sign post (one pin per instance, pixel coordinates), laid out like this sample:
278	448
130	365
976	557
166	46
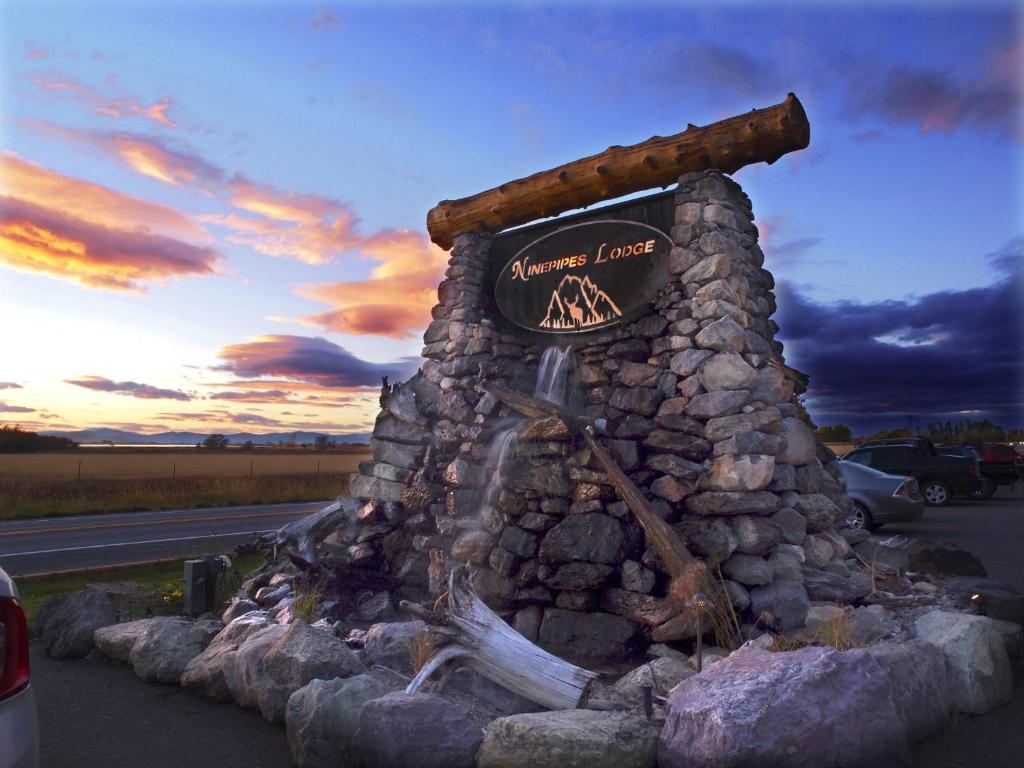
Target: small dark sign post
583	277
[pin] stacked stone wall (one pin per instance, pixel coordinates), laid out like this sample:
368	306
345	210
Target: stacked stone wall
692	399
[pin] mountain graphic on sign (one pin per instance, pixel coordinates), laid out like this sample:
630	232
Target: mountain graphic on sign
577	303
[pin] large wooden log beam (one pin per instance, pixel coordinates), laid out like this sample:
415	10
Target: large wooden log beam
761	135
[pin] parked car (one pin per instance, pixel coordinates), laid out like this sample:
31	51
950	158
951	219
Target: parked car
1000	464
879	498
19	726
940	477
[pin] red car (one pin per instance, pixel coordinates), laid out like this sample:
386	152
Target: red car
1000	464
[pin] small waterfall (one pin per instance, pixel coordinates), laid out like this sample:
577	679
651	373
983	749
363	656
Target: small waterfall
553	375
500	453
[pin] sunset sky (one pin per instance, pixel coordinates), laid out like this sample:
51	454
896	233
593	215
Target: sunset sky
213	213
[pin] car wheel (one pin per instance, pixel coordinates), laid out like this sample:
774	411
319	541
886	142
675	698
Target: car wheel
860	517
986	490
936	493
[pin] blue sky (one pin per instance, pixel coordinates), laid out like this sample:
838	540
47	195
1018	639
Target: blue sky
281	158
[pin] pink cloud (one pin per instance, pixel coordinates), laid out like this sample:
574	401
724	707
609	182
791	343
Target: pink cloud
128	388
56	85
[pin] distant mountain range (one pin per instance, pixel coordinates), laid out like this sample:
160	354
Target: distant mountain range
103	435
577	303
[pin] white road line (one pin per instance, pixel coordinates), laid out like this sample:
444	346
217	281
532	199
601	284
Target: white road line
131	543
56	522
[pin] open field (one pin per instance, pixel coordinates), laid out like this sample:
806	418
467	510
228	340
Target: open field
163	579
148	463
43	485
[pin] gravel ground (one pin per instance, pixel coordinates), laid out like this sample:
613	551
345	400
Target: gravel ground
94	715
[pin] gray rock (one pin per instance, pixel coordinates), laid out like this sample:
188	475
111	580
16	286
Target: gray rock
391	644
756	535
322	716
786	561
792	524
636	578
835	588
920	686
738	595
819	510
708	537
710	268
363	487
569	738
749	570
867	624
740	472
397	454
592	636
414	730
750	442
669	441
724	333
687	362
639	400
783	604
117	640
472	546
662	674
727	370
784	478
674	465
886	557
238	607
976	660
518	541
167	644
205	673
942	558
271	665
724	427
994	599
818	551
801	444
732	503
65	623
712	404
594	537
810	708
577	576
671	489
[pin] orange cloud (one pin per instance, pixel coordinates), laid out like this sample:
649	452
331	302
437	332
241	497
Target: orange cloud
57	85
311	228
94	203
396	299
88	234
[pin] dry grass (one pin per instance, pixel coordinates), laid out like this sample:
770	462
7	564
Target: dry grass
422	649
49	498
719	614
152	463
836	632
116	480
308	595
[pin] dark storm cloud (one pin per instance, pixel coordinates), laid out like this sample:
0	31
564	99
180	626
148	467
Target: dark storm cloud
932	357
311	359
129	388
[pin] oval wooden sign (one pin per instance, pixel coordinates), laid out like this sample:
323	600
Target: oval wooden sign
584	277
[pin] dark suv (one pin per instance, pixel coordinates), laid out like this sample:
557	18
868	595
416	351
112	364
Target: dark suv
940	477
1000	464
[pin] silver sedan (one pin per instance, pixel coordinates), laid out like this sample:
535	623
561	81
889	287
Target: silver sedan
879	498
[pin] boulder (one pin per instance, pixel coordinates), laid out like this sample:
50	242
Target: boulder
391	644
800	443
727	370
712	404
749	570
167	644
732	503
414	730
814	707
117	640
740	472
783	604
976	661
65	623
238	607
569	738
593	537
205	673
756	535
867	624
920	688
942	558
835	588
275	662
708	537
876	553
591	636
662	674
322	716
993	598
792	524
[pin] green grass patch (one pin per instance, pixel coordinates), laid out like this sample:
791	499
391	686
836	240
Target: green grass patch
163	579
53	498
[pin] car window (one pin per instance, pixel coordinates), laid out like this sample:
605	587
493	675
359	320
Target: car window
860	457
888	458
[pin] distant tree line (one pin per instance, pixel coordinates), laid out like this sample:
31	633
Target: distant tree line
17	440
964	431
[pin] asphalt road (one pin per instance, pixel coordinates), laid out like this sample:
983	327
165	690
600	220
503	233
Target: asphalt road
992	530
70	543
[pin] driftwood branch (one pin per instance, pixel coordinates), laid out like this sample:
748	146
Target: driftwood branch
761	135
478	636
